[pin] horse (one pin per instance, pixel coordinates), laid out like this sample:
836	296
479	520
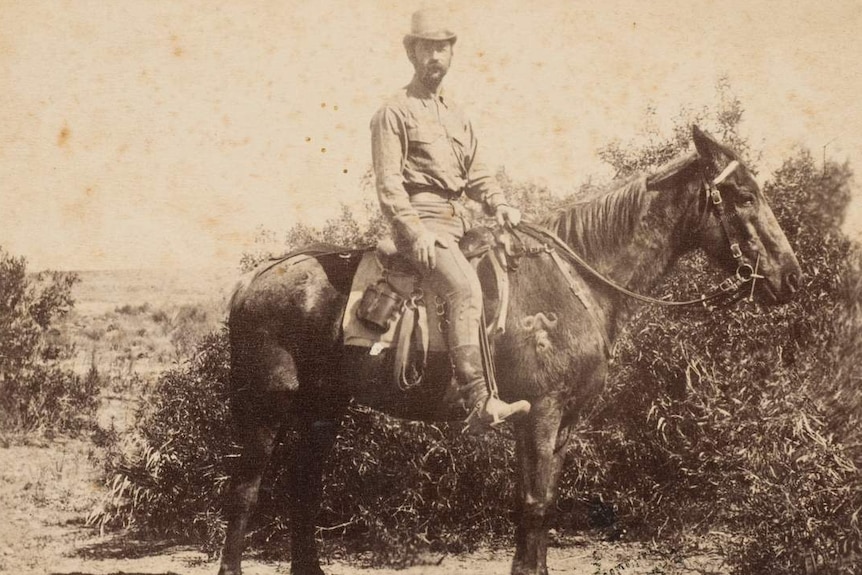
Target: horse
289	366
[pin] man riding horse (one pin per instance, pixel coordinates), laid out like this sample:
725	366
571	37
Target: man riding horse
425	156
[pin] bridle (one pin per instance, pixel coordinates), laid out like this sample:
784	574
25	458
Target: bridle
745	272
729	289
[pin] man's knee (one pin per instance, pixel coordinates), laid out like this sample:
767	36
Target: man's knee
462	282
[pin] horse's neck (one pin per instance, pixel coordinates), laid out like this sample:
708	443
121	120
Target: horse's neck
656	240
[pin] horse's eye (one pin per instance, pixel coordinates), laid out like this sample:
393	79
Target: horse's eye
746	200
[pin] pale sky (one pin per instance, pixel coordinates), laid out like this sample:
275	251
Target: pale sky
164	133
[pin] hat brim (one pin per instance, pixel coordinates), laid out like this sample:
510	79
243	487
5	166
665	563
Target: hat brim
435	37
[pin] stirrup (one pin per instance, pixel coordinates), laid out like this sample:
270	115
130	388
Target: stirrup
481	420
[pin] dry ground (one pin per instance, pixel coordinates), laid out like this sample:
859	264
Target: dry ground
47	489
124	322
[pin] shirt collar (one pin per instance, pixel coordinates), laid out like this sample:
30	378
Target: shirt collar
417	89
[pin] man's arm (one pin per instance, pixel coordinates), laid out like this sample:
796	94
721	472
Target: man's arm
388	153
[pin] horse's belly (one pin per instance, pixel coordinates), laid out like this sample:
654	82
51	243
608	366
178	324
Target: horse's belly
370	381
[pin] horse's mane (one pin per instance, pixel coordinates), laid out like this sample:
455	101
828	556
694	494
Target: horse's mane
598	226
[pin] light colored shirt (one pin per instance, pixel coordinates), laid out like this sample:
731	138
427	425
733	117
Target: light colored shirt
421	142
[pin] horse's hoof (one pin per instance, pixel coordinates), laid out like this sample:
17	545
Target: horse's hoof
306	570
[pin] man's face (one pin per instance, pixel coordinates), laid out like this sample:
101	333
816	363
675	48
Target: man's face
432	58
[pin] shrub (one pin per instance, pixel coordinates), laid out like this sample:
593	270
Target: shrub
393	487
191	324
48	399
345	231
166	476
742	421
133	310
36	394
399	489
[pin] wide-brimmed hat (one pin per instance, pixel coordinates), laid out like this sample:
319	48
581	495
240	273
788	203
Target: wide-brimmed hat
429	24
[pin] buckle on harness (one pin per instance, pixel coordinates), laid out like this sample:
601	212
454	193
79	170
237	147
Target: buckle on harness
729	284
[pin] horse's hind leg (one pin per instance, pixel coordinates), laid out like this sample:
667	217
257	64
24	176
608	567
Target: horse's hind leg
316	437
257	445
262	381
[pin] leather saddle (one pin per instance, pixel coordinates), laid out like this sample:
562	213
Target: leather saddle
389	302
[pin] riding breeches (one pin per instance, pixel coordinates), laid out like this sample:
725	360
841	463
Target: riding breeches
453	278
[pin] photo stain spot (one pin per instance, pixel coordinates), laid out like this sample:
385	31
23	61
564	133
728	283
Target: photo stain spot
335	108
177	49
322	150
63	136
344	171
308	138
323	104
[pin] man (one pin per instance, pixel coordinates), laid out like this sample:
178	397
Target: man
425	155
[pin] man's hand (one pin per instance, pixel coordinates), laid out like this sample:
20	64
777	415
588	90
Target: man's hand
507	216
425	249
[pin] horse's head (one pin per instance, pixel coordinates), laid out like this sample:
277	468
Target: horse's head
738	227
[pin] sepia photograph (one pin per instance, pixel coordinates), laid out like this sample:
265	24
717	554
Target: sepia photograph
429	288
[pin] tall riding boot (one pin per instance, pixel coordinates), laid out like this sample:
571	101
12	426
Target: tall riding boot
486	411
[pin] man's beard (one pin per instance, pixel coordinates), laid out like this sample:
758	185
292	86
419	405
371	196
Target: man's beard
432	74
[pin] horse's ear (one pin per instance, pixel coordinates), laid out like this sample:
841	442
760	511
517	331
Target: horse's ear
711	152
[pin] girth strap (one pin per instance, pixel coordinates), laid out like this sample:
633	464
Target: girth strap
585	299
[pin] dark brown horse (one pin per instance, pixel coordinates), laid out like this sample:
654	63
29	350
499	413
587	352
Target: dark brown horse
289	366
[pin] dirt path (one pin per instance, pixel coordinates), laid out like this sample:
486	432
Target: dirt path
46	491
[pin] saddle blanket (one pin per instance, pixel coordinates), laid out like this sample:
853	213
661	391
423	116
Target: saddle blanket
355	333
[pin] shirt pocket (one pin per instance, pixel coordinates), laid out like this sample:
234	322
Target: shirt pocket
460	141
424	134
457	132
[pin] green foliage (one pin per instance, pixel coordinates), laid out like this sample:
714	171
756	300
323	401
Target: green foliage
36	394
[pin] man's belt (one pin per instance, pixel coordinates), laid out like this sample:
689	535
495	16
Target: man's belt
413	190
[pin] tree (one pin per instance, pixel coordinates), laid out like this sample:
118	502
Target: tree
653	147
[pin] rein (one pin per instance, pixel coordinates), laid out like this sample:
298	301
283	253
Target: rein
729	287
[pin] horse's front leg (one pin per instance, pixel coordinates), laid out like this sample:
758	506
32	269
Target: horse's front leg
540	459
